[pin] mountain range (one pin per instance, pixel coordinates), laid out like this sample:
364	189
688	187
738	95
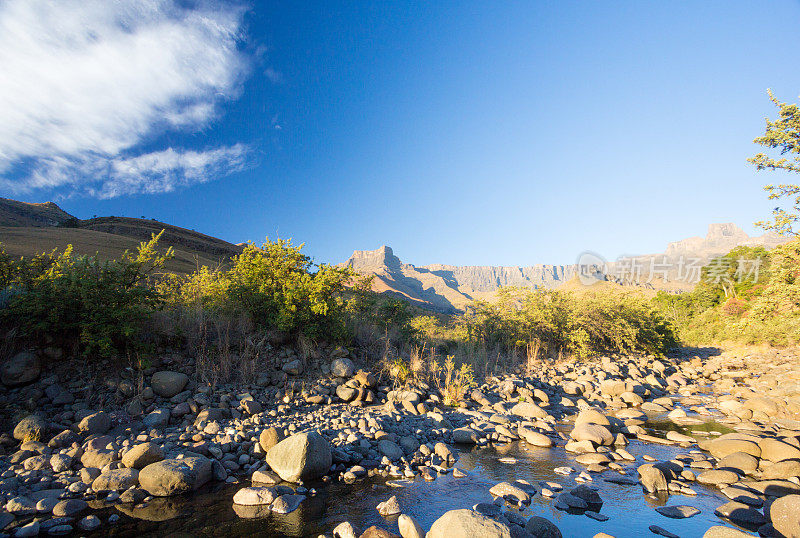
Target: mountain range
449	288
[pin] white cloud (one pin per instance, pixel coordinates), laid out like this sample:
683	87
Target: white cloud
86	82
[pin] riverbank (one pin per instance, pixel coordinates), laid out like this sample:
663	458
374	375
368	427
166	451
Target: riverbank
71	468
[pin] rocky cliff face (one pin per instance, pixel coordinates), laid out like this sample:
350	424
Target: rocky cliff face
449	288
721	239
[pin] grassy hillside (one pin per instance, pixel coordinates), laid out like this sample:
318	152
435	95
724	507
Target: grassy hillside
29	241
28	229
14	213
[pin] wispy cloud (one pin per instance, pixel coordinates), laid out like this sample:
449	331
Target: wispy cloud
86	82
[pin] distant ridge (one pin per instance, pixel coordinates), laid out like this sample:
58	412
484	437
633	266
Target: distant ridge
449	288
15	213
28	229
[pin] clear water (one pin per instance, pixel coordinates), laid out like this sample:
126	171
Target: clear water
631	512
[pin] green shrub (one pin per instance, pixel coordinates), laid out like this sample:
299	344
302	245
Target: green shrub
98	306
563	322
275	286
737	305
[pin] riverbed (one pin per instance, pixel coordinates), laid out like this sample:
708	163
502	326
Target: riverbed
631	512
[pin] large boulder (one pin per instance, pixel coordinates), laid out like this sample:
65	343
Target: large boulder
784	514
729	443
597	434
255	496
303	456
167	384
467	524
343	367
528	410
652	478
390	449
30	428
612	387
175	476
142	455
534	438
775	450
96	423
20	369
592	416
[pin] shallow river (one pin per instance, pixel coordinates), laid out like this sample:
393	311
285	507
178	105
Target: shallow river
631	512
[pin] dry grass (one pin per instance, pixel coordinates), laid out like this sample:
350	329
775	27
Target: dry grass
30	241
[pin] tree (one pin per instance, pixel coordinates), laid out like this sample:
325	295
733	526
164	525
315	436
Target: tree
782	134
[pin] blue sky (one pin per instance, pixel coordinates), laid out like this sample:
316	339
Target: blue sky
455	132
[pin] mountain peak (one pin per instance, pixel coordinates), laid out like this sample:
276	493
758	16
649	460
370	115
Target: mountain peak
726	230
382	256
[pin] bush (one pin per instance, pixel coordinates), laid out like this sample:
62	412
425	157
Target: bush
275	286
97	306
562	322
737	305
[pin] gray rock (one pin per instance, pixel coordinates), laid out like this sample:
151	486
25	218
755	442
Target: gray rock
588	494
677	511
652	478
345	530
142	455
22	368
116	479
269	437
157	419
740	513
528	410
540	527
346	393
467	524
294	367
509	491
597	434
69	508
784	515
302	456
717	476
90	523
96	423
534	438
254	496
175	476
343	367
389	507
60	463
465	436
167	384
409	528
30	428
287	503
390	449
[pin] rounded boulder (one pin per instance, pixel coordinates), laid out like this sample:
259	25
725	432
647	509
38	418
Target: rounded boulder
303	456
